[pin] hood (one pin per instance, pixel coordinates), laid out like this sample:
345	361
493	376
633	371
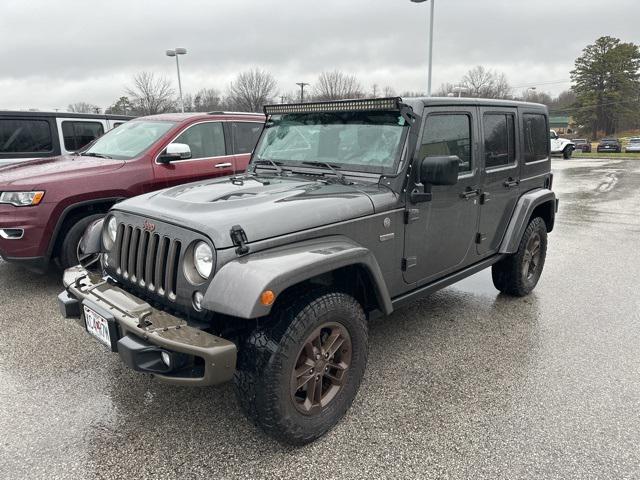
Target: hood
38	173
264	207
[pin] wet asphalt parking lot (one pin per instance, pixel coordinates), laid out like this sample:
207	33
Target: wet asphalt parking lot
464	384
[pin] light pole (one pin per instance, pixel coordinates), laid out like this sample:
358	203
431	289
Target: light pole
176	52
530	89
302	85
430	44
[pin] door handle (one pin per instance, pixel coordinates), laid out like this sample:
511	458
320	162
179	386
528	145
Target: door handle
467	194
223	165
510	183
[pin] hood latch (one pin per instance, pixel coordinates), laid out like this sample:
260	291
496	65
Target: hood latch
239	239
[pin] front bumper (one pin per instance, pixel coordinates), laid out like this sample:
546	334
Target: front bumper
143	332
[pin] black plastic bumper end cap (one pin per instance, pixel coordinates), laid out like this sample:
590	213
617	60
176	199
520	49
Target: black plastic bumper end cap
69	306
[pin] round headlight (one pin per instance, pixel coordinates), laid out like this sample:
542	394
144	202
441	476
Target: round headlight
110	232
203	259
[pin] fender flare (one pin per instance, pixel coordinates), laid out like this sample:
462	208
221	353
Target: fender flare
527	203
91	241
236	288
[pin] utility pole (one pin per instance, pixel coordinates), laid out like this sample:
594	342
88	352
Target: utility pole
302	85
282	98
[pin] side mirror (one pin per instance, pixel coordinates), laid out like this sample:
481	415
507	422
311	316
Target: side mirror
440	170
553	135
174	152
436	171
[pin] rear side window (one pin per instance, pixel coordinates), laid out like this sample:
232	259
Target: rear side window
499	140
448	134
245	136
77	134
204	139
25	136
536	141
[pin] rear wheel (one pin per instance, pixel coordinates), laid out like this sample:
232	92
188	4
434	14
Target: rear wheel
518	274
298	376
70	254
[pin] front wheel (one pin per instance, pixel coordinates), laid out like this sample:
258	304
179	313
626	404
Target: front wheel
70	254
298	374
518	274
567	152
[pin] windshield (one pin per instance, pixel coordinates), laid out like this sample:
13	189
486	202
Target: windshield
129	140
359	141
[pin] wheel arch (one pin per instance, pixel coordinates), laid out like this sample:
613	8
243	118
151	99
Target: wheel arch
72	214
333	261
542	203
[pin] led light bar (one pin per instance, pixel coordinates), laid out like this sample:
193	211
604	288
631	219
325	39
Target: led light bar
393	103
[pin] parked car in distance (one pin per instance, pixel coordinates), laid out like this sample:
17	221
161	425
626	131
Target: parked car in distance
30	135
46	204
609	144
349	210
633	146
561	146
582	144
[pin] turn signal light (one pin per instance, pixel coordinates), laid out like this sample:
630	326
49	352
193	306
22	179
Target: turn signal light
267	298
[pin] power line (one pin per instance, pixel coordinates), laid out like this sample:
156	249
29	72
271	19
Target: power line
588	107
550	82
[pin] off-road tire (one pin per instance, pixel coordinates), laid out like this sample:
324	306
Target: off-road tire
268	356
68	256
567	152
509	275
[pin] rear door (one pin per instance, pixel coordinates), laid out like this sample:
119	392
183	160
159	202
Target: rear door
439	235
501	161
244	137
209	157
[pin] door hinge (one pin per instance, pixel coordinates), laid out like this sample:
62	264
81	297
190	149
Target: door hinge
480	237
408	263
239	239
411	215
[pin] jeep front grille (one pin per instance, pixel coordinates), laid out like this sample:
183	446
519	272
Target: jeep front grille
148	260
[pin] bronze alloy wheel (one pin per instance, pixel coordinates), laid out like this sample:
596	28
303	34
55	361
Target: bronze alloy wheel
532	256
321	368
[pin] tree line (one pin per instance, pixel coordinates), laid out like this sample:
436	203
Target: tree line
604	96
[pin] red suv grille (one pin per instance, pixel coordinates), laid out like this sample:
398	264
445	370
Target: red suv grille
149	260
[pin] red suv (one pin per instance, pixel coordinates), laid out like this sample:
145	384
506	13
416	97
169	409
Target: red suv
45	205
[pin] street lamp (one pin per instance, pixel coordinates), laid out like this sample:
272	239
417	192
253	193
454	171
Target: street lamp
176	52
430	43
302	85
530	89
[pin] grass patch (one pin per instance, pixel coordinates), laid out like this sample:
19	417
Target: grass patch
621	156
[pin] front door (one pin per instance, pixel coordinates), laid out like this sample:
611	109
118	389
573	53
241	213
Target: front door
209	157
440	234
500	175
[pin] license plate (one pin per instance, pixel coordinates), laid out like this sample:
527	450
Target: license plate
97	325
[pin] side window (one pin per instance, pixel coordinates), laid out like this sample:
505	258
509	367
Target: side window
117	124
448	134
245	136
536	143
205	140
25	136
78	134
499	140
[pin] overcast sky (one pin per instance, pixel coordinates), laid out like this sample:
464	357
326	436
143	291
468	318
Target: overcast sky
63	51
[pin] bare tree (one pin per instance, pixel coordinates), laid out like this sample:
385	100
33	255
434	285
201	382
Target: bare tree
485	83
388	92
337	85
83	107
207	100
251	90
151	94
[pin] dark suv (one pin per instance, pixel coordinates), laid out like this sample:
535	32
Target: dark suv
609	145
46	204
349	210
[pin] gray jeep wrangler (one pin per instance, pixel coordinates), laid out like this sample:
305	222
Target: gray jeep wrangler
348	210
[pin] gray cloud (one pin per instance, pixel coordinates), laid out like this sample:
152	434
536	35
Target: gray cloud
55	53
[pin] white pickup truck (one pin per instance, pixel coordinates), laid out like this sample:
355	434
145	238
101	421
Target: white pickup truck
561	146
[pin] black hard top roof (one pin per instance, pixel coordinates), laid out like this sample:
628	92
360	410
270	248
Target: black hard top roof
22	113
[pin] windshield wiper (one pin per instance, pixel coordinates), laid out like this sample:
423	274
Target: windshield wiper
266	161
333	168
92	154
